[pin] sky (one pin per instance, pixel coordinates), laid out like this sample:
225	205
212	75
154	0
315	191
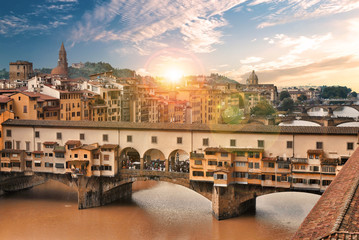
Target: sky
287	42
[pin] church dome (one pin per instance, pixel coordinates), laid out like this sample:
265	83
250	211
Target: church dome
252	79
59	71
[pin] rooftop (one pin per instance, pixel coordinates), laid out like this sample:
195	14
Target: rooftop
235	128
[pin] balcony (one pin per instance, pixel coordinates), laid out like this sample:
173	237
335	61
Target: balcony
299	160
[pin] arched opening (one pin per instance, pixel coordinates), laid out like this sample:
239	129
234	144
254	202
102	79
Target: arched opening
130	158
154	159
299	123
346	111
317	112
178	161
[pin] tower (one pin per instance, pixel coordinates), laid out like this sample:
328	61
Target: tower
62	69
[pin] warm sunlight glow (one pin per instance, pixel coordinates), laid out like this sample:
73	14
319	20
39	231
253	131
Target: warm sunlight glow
174	75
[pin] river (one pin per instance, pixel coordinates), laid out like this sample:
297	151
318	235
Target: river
157	210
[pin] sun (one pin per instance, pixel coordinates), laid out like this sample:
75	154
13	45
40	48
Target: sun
174	75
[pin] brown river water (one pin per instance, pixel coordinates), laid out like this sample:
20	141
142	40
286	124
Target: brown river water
157	210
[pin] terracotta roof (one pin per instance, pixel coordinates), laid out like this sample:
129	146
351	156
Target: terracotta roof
215	149
337	210
315	151
59	149
329	161
233	128
109	146
38	152
73	142
5	99
86	147
269	159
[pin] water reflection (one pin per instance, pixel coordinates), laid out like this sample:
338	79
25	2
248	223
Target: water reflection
157	211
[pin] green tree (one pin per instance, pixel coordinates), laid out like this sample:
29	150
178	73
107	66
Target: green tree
263	108
287	105
4	74
284	94
335	92
354	94
302	98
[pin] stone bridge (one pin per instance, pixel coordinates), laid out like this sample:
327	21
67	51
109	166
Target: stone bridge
93	191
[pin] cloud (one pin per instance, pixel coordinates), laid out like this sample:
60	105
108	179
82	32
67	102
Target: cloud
299	44
250	60
285	11
196	23
39	19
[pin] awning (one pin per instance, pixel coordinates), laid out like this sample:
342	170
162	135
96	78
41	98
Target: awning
37	161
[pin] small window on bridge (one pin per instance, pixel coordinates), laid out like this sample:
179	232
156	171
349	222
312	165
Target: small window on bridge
59	135
224	154
105	137
261	143
350	146
197	162
326	182
240	154
197	173
82	136
233	142
209	174
179	140
154	139
289	144
129	138
8	133
205	141
319	145
212	163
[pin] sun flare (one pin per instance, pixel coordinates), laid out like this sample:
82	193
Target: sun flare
174	75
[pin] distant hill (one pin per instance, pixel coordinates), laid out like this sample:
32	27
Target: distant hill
215	78
4	74
92	68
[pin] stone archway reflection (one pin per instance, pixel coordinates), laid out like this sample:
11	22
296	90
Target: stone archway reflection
154	159
178	161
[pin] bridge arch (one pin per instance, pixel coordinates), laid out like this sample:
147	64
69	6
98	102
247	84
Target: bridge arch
178	161
130	158
299	123
154	159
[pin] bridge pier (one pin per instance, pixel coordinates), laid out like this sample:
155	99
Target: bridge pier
232	201
95	192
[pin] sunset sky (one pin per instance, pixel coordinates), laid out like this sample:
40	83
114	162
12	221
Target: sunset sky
287	42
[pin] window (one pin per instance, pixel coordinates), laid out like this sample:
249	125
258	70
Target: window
269	164
302	167
250	154
240	154
59	165
51	154
106	157
250	164
197	162
350	146
240	174
85	155
73	114
261	143
47	164
96	156
256	155
197	174
18	145
39	146
82	136
76	155
58	135
233	142
8	145
289	144
129	138
311	156
179	140
59	155
314	168
256	165
212	163
314	181
154	139
25	109
37	164
205	142
326	182
319	145
8	133
37	134
27	146
241	164
220	164
224	154
328	169
28	164
105	137
209	174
